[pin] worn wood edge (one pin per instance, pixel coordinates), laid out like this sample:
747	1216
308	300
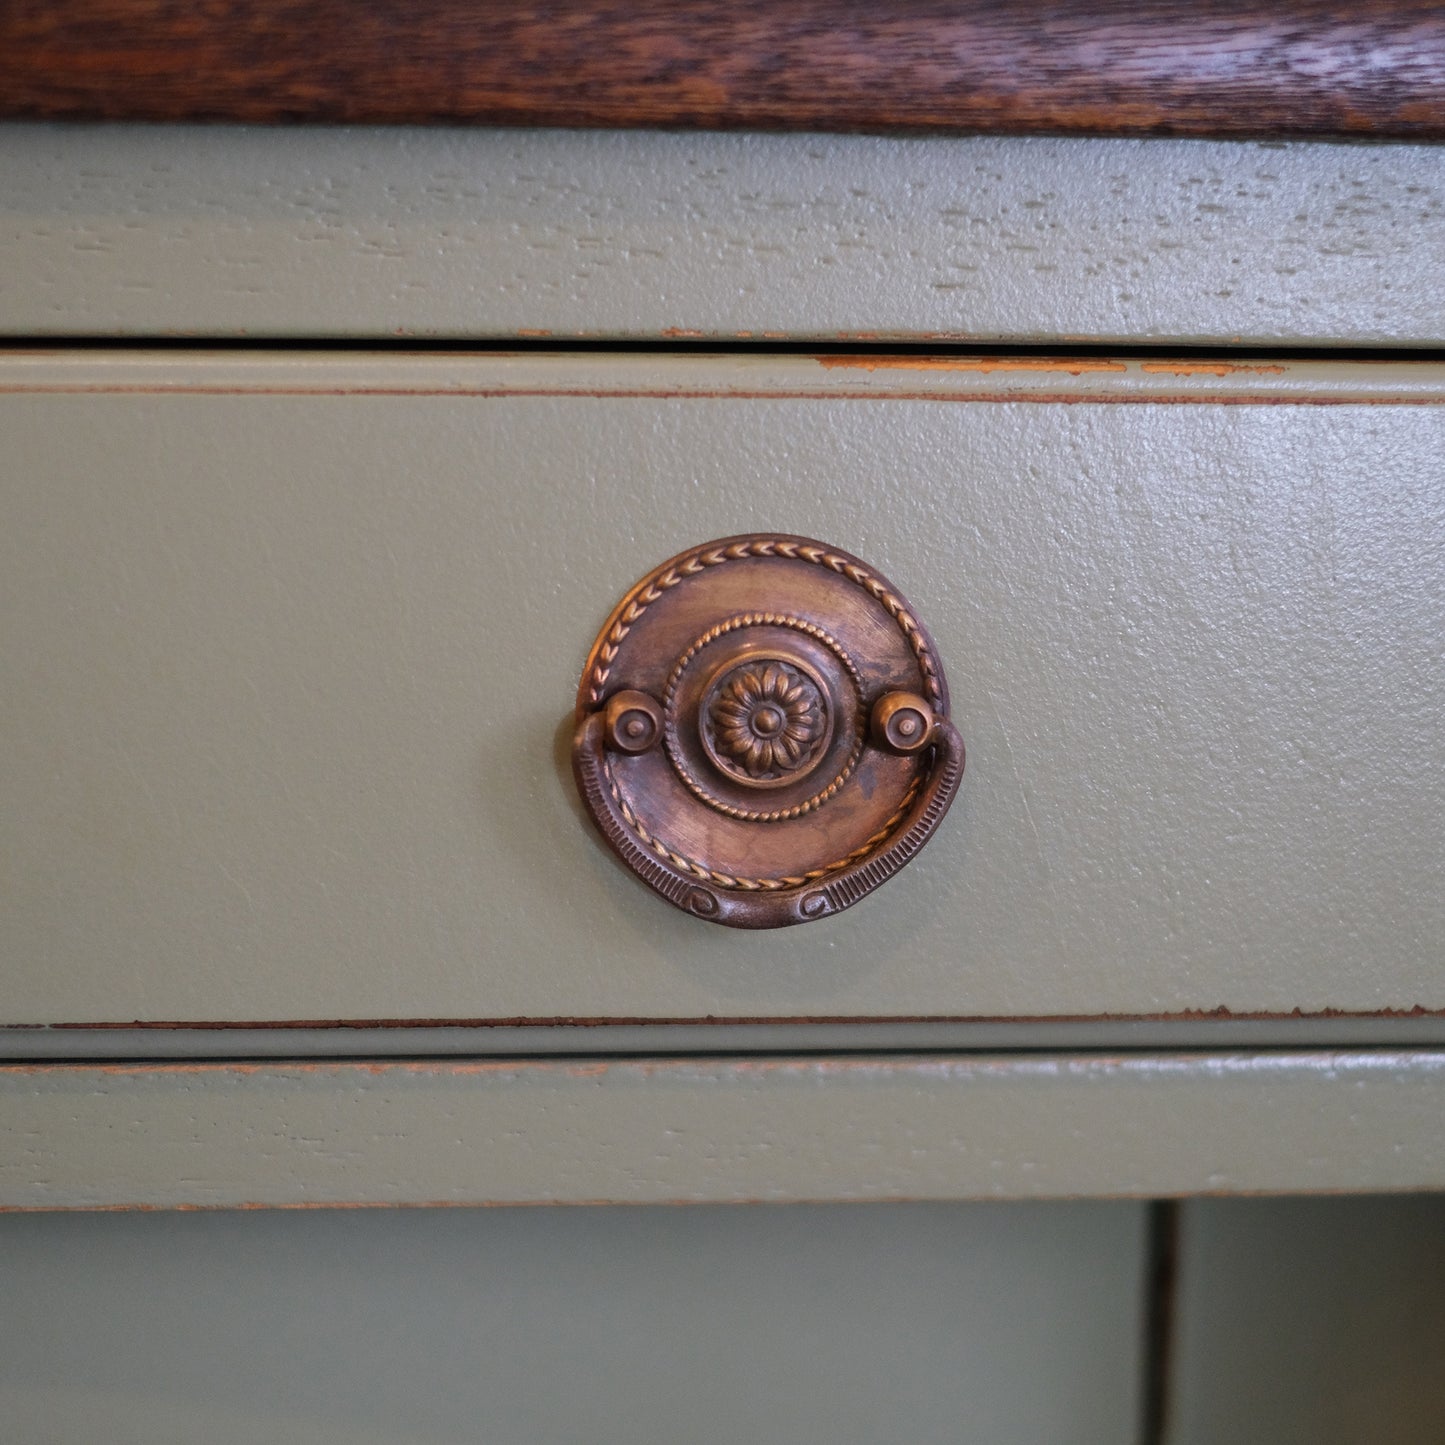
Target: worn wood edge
1211	68
682	376
707	1130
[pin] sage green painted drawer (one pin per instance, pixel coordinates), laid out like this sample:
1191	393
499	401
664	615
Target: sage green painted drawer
290	644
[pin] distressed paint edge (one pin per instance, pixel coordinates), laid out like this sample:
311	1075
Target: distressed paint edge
548	1021
242	1039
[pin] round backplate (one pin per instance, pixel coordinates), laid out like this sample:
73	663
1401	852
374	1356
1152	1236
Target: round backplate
804	752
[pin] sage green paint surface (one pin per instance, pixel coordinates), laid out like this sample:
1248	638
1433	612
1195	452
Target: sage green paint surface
223	231
289	681
710	1130
1310	1322
930	1323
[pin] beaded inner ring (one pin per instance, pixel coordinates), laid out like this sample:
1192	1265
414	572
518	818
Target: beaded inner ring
729	715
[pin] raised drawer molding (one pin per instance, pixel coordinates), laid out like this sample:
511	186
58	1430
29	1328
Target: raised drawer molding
718	1130
299	638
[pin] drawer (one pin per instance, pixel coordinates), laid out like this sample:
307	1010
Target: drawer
372	233
291	644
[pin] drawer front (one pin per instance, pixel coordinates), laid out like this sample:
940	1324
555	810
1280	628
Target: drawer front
291	643
360	232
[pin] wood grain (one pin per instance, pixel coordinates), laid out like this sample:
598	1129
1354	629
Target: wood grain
1210	68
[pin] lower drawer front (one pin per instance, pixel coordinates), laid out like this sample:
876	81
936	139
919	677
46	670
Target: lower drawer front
290	647
814	1325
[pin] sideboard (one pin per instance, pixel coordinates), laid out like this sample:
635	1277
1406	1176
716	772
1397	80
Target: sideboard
328	451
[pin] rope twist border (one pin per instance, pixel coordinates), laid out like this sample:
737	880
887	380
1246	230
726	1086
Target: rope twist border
700	561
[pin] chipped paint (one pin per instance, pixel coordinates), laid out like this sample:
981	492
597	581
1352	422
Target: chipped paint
982	364
1211	368
1055	380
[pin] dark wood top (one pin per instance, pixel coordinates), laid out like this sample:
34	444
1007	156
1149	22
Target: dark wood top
1107	67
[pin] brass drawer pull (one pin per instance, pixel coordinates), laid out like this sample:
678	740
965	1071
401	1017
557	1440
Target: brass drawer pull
762	731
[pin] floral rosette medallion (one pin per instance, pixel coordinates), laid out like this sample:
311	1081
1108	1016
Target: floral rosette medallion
764	721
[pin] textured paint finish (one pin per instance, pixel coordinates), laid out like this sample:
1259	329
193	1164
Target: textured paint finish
256	765
1311	1322
617	1327
714	1130
142	231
